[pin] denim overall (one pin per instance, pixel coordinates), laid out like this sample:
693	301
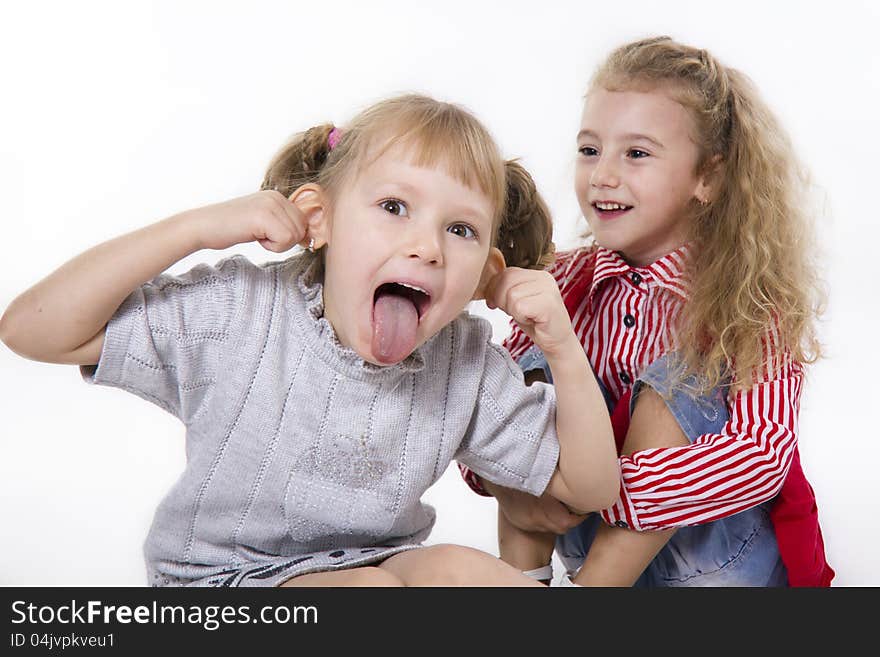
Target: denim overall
739	550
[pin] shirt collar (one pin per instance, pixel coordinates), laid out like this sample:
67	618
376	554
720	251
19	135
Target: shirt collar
668	271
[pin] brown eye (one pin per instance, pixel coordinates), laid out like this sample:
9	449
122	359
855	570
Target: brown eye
463	230
393	206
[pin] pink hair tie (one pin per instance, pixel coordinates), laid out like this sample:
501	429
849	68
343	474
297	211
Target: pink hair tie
333	138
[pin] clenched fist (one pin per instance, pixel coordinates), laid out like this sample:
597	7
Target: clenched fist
267	217
533	299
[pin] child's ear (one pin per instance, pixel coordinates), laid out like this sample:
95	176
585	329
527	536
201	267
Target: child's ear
707	183
494	265
311	199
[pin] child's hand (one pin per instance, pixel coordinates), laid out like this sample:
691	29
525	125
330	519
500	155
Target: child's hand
534	514
533	299
267	217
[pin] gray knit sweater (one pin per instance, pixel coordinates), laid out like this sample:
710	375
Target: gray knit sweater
301	456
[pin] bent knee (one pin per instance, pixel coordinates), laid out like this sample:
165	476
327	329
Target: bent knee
448	553
457	565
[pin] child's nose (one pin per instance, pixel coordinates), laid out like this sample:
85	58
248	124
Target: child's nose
604	174
424	243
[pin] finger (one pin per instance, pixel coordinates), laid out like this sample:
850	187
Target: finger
556	511
524	290
269	245
509	290
529	282
296	217
496	286
288	216
285	212
529	308
556	525
513	276
278	235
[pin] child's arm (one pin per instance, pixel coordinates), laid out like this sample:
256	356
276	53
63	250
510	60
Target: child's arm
617	556
523	549
62	318
587	475
528	525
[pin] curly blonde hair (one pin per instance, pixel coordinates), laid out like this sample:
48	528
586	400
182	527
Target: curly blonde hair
754	284
437	134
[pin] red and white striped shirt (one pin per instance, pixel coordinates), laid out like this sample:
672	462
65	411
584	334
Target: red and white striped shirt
624	317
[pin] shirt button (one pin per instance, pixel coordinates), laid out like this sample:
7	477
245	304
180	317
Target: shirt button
622	524
625	378
636	278
629	321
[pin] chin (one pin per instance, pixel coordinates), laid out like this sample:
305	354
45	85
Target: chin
608	242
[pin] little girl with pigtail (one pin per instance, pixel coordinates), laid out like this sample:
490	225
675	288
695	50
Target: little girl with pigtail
696	304
324	393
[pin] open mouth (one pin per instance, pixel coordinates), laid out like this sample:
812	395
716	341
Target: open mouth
610	209
419	298
398	309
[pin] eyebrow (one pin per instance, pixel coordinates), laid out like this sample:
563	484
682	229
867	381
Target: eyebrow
630	136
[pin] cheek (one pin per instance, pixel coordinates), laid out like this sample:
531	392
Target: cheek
582	184
672	194
344	268
467	278
676	180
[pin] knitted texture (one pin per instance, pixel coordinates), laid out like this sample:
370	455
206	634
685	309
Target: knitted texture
297	449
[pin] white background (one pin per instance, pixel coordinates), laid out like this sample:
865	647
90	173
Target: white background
114	115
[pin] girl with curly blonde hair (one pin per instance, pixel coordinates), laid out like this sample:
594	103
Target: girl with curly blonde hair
696	304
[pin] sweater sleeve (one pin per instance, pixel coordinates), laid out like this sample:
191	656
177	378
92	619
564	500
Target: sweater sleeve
567	269
166	340
718	474
511	438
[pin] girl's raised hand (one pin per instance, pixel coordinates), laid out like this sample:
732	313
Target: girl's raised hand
533	299
267	217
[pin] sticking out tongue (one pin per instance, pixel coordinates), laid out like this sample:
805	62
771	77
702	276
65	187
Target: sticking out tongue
395	320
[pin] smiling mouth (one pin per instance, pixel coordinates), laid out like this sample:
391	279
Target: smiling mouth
610	209
419	297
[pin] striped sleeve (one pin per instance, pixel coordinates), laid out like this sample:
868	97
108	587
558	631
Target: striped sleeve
718	474
472	480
